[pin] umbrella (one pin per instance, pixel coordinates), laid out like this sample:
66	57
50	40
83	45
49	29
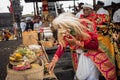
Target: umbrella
48	0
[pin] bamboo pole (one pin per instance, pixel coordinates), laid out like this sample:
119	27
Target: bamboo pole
94	3
37	9
74	5
34	8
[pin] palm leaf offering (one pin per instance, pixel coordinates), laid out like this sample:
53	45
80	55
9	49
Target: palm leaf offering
22	58
21	55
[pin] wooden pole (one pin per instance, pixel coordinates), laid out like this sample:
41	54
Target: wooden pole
37	8
74	5
34	9
56	10
94	3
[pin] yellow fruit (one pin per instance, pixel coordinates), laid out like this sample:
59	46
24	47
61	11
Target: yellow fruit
12	58
18	56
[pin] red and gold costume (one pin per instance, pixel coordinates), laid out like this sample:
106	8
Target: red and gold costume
104	33
94	52
100	59
97	19
105	44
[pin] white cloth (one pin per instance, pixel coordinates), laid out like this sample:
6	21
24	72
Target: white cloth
15	25
87	5
116	16
79	13
86	69
79	51
22	26
36	26
102	11
40	23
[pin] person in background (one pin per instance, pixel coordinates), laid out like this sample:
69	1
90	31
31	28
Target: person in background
22	25
80	10
114	7
101	10
36	25
60	10
71	32
116	16
7	34
29	24
1	35
116	21
15	29
90	14
40	20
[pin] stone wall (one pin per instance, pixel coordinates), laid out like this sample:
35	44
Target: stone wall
5	20
63	69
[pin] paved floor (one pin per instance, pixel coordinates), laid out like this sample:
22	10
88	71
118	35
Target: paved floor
6	48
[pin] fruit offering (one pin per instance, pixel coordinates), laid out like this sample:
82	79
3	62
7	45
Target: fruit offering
22	56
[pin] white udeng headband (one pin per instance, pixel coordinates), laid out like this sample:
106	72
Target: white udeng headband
87	5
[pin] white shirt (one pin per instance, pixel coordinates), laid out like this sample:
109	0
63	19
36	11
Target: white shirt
102	11
36	26
79	13
116	16
22	26
40	23
15	25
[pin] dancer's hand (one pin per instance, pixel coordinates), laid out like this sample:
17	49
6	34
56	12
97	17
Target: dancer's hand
51	66
71	39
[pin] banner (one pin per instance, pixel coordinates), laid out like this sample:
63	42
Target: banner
11	7
45	7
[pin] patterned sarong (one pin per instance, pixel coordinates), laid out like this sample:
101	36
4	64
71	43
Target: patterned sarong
103	63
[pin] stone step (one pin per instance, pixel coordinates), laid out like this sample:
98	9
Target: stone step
64	74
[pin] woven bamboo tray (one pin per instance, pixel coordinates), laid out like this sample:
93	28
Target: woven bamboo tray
30	38
35	73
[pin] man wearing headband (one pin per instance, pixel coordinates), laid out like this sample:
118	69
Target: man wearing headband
87	9
101	10
89	13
